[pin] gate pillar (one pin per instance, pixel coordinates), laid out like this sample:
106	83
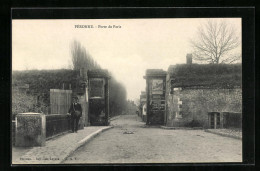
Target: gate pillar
30	129
155	96
98	81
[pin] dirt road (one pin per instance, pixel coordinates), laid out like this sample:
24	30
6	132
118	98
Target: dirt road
130	141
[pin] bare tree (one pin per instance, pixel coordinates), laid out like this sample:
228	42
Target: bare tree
215	42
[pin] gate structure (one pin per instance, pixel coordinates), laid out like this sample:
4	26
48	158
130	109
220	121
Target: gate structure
155	102
60	101
98	81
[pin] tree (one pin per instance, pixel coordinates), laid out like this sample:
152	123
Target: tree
80	57
215	43
117	97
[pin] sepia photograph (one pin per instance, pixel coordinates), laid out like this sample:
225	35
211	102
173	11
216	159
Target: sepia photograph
126	91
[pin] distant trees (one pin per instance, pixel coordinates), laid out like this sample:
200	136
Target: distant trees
215	42
117	99
131	107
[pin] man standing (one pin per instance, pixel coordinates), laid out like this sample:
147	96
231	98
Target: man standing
75	112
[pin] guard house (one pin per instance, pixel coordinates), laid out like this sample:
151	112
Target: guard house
155	97
98	81
204	95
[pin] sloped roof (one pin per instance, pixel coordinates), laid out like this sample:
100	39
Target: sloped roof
206	75
97	73
155	72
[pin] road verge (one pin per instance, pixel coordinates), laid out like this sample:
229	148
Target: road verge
84	141
225	134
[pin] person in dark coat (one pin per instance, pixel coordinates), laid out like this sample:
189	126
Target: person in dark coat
75	112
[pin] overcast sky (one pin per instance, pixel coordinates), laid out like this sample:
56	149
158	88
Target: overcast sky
127	52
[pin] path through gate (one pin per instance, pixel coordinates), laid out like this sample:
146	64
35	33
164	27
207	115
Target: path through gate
60	101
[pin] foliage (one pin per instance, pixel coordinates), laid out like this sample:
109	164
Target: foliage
23	102
214	43
131	107
81	58
41	81
117	98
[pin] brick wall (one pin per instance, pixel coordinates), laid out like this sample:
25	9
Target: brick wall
188	104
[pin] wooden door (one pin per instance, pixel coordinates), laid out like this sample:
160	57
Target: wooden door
60	101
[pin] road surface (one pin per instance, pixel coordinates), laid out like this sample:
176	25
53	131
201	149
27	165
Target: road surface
130	141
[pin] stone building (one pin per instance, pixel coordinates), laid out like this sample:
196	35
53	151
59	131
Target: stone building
195	90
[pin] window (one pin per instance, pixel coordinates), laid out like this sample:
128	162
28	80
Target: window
96	88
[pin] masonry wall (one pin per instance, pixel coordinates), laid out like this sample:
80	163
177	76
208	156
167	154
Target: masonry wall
190	107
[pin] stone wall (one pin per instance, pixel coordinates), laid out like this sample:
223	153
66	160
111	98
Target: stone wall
186	106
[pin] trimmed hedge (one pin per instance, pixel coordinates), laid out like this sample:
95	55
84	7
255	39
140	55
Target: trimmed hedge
40	82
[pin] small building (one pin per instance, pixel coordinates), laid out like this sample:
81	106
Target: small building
98	83
155	96
201	94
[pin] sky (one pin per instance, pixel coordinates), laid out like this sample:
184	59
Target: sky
127	49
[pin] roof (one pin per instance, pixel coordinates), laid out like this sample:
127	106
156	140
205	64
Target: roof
98	73
206	75
155	72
